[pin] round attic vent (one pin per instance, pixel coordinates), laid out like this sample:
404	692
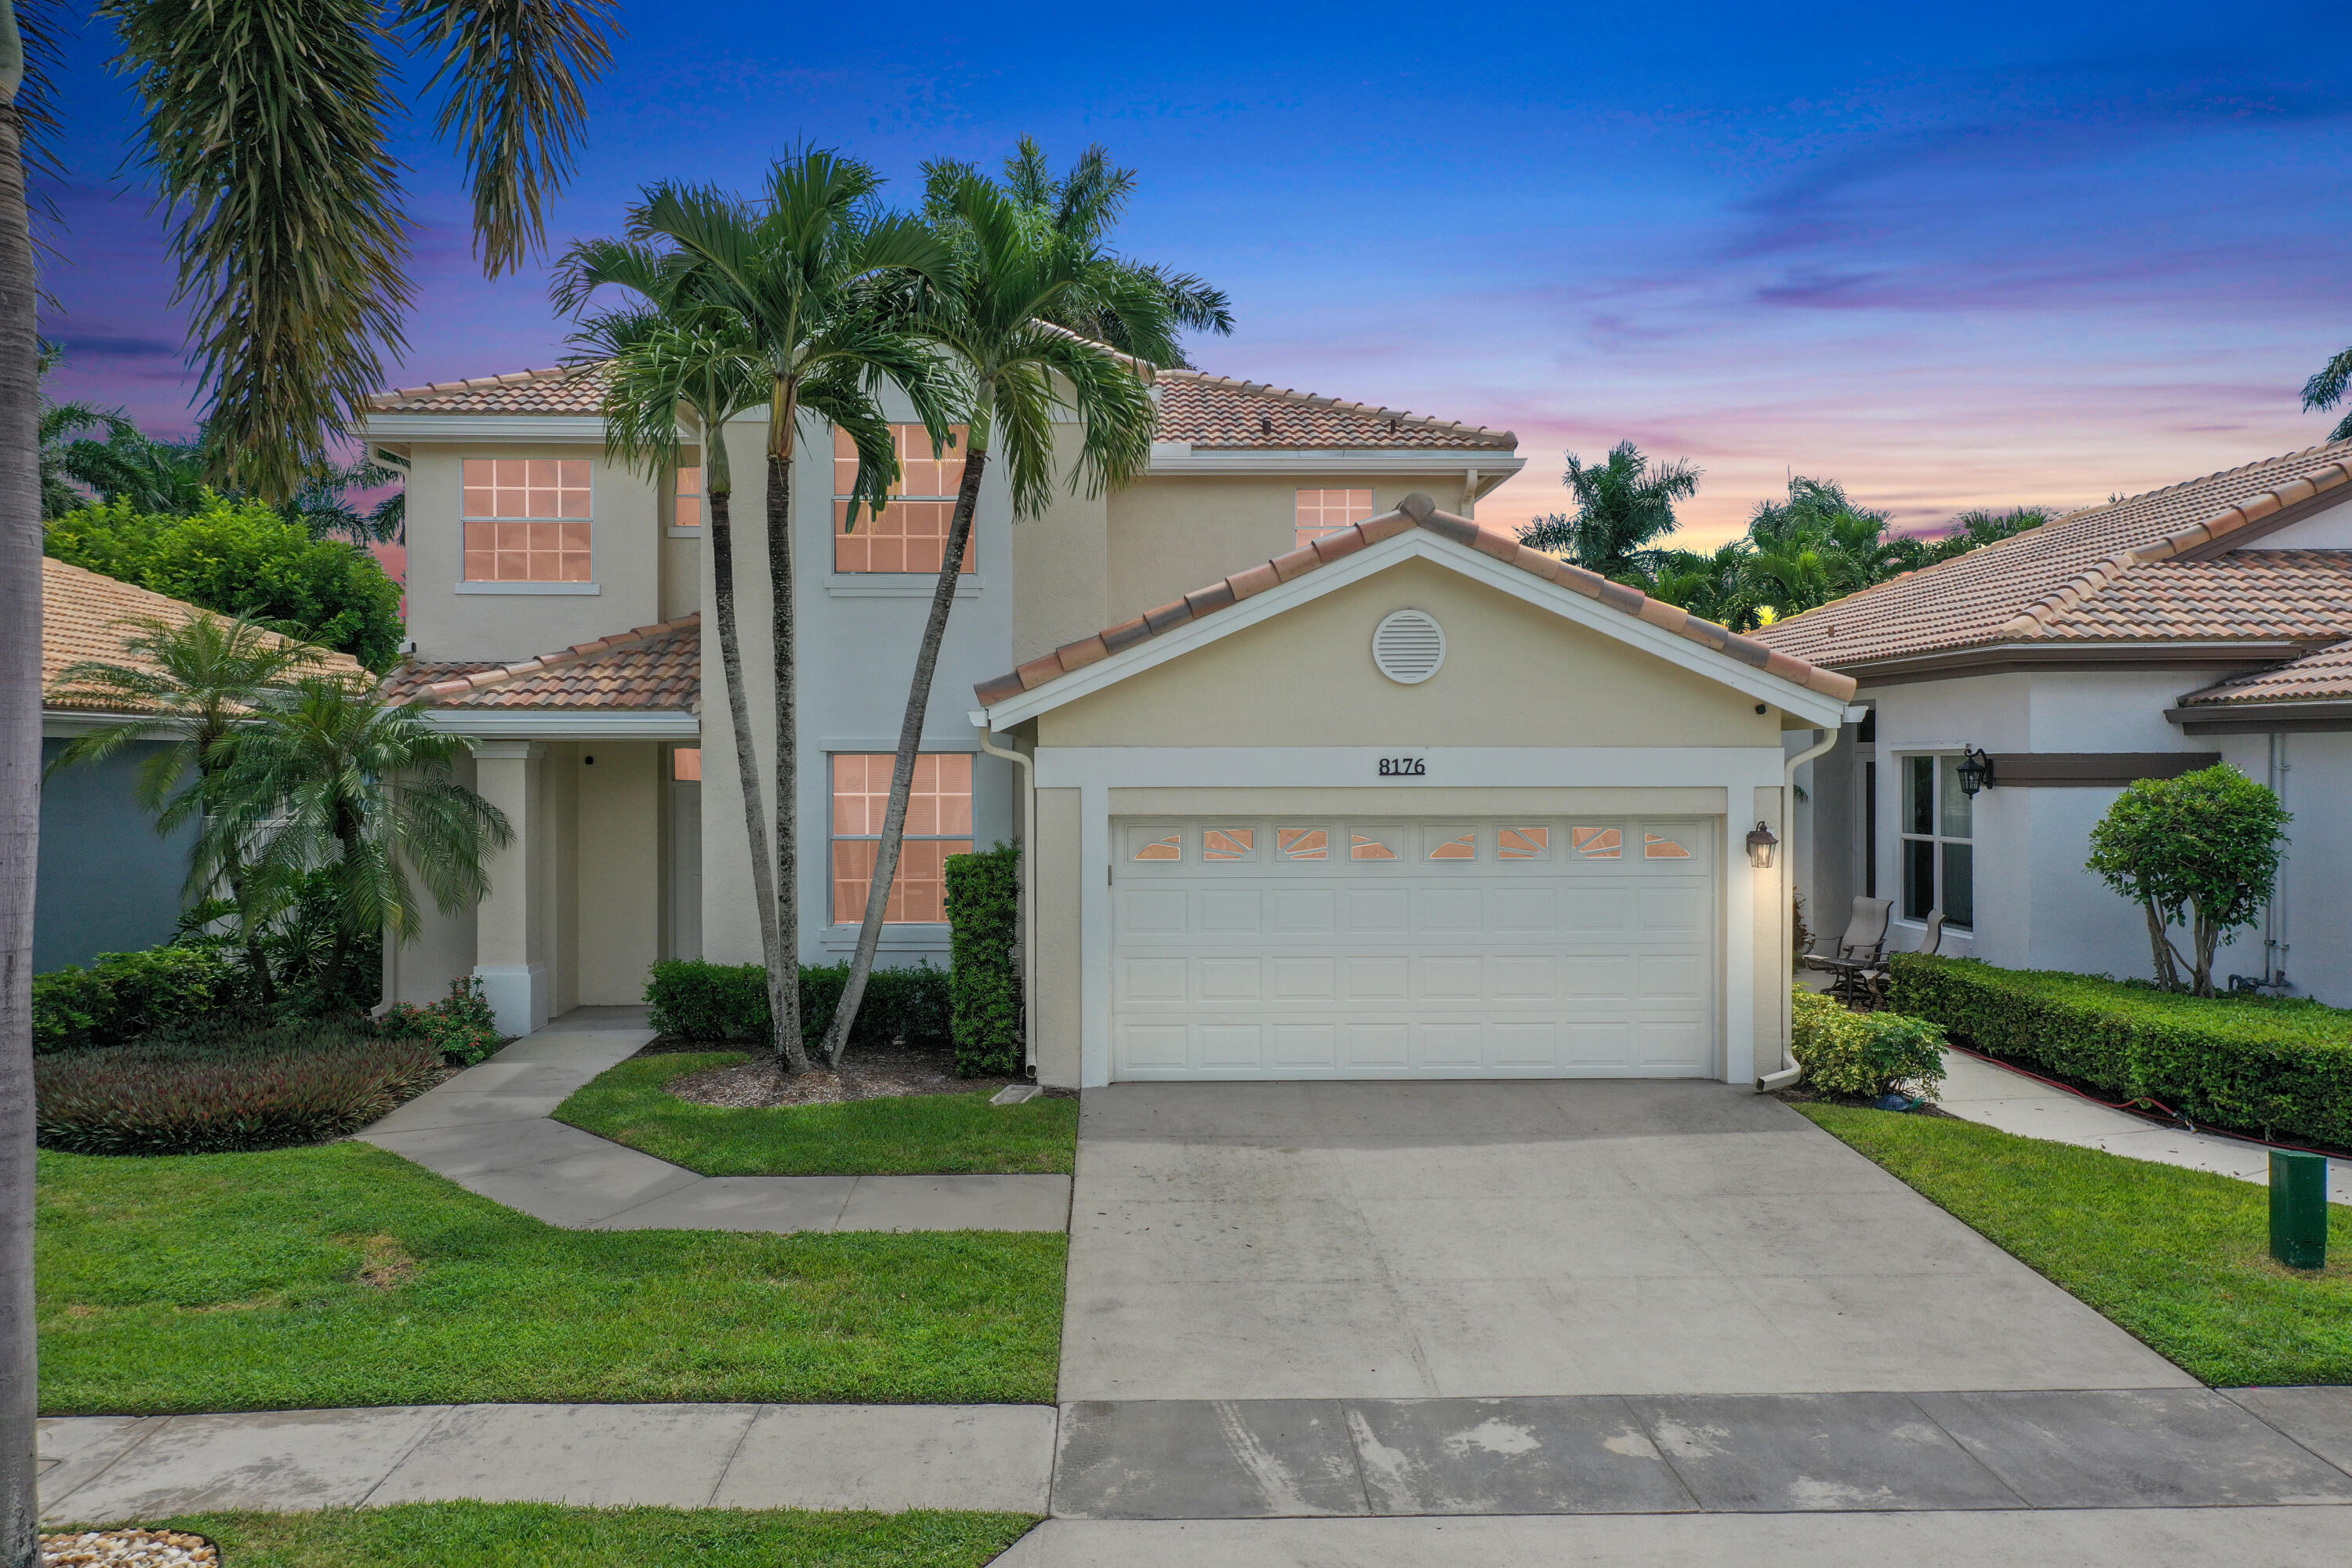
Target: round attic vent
1408	646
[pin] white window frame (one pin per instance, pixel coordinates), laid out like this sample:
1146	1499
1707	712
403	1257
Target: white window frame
833	835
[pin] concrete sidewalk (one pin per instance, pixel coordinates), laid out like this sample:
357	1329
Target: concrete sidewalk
97	1469
1980	1091
491	1131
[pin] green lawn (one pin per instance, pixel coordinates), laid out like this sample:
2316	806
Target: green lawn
915	1136
543	1535
2180	1258
344	1275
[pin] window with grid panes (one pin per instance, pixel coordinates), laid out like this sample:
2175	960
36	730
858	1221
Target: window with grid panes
1328	511
938	823
526	520
1939	849
910	534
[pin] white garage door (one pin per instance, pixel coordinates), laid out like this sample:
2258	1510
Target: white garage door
1305	948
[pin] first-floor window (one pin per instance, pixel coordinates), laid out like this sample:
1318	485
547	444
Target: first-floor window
1939	841
938	823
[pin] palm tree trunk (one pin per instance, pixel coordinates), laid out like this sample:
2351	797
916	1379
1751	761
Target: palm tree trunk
784	967
347	834
738	712
20	818
902	772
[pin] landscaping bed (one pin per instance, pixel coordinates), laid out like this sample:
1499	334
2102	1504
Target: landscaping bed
2179	1258
861	1121
543	1535
347	1276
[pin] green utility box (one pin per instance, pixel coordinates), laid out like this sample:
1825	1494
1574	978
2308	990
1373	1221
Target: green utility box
2299	1209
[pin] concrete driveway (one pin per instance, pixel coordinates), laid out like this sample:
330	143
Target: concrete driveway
1396	1241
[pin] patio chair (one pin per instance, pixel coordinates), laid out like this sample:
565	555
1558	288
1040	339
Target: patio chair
1872	983
1856	952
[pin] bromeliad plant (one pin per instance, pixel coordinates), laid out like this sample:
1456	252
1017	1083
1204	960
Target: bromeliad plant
2199	851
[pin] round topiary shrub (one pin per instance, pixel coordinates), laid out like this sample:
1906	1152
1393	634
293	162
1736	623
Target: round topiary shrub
1864	1054
210	1093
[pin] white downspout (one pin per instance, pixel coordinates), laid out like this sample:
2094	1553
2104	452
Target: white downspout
1028	892
1789	1074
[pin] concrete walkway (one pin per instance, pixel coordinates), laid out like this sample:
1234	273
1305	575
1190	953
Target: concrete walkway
490	1130
100	1468
1980	1091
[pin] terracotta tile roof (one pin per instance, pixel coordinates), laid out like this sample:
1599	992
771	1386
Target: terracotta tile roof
2321	677
557	390
1214	411
2067	579
2254	592
1217	411
652	667
82	614
1415	511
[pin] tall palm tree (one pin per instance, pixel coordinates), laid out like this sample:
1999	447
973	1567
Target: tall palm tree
330	777
674	359
820	285
198	681
1082	207
1624	505
2327	389
1018	369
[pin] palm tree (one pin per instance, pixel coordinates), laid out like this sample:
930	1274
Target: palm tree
671	356
329	777
821	288
995	318
2327	389
1623	506
1082	208
198	681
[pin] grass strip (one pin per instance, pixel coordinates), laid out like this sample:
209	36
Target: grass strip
344	1275
911	1135
2179	1258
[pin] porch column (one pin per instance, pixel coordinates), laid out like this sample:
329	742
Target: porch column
507	960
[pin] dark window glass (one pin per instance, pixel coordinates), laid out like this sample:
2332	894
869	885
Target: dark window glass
1959	885
1870	830
1920	797
1918	878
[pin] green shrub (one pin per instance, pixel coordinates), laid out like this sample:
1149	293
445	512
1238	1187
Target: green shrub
983	982
461	1026
1865	1053
220	1089
124	995
241	558
2266	1065
694	1000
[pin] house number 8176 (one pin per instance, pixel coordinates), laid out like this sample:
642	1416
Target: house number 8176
1404	767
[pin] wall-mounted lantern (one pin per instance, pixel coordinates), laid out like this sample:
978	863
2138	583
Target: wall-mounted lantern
1975	771
1760	846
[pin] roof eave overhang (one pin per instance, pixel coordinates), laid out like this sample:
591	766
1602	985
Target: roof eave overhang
1184	459
391	426
2303	715
1814	708
2010	657
566	723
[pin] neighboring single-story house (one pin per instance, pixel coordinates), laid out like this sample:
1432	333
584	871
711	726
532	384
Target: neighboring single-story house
2209	621
108	883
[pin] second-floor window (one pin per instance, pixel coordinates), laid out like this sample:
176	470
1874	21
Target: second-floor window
1328	511
526	520
938	823
911	533
686	498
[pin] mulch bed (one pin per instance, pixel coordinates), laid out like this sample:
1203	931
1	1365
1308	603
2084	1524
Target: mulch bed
867	1073
127	1549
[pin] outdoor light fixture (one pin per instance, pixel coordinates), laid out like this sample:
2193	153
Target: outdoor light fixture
1760	844
1975	771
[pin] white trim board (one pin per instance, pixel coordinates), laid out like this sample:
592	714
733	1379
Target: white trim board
541	724
1419	543
448	428
1492	466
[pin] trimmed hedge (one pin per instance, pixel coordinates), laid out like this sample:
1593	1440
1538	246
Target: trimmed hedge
124	995
1865	1053
211	1092
984	982
694	1000
2277	1067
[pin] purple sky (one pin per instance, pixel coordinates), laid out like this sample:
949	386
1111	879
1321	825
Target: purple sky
2024	254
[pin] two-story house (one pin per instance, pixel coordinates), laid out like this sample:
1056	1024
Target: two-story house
1389	795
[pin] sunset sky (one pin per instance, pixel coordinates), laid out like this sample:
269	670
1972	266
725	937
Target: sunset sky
1958	256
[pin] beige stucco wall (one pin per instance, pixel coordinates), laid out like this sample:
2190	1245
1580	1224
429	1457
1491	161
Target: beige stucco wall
1056	1029
625	536
419	971
619	874
1168	536
1513	675
1060	566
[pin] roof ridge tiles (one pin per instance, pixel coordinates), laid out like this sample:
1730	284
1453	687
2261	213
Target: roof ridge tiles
1416	510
